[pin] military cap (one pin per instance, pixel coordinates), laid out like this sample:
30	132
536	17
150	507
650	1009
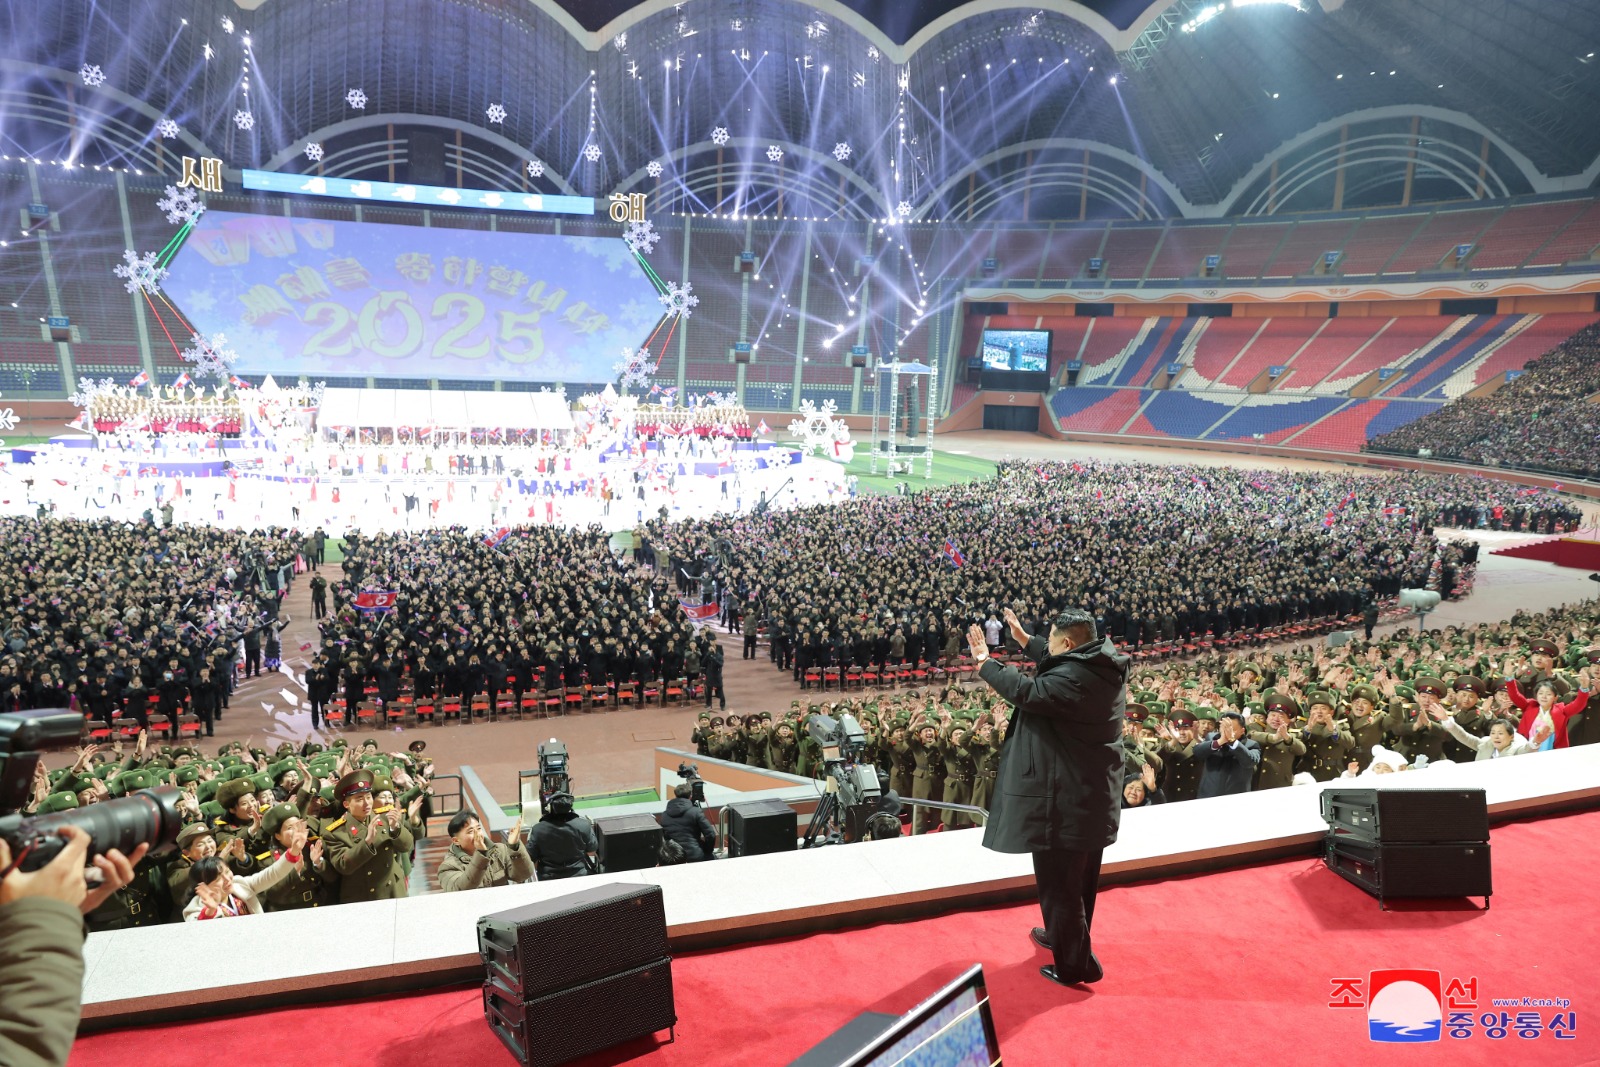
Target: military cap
1249	666
1470	683
1137	712
58	802
1544	646
276	816
1203	711
187	773
133	781
1323	697
1593	654
1183	717
206	790
192	833
1367	692
261	780
211	811
258	753
229	792
326	793
353	783
311	748
237	771
284	749
381	782
1158	709
1276	701
1430	685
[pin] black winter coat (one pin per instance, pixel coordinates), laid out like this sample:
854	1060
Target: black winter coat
1060	780
688	826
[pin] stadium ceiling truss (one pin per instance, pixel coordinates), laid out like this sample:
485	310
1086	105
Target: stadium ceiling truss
1239	115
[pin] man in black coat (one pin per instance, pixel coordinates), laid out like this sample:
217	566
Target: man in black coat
1059	788
1228	759
687	825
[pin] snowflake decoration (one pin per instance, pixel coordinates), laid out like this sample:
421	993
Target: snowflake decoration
210	53
227	24
641	236
719	136
621	41
8	420
356	98
92	75
634	367
314	151
535	169
679	299
904	79
873	53
591	152
721	399
653	168
841	151
211	356
167	128
140	274
244	120
182	206
816	30
496	114
88	389
746	462
775	153
817	428
903	209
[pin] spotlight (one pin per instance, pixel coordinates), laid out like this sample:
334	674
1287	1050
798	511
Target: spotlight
1113	80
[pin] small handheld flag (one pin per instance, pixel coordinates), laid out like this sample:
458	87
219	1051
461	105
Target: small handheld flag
140	379
954	555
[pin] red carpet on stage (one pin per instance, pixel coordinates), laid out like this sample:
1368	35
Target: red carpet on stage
1235	967
1562	551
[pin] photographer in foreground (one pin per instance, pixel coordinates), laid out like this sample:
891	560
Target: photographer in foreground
686	824
41	946
1060	780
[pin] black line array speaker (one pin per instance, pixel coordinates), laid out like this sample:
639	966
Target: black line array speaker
579	973
425	157
757	827
1409	842
628	842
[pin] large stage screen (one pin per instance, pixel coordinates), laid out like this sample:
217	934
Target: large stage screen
341	299
1016	359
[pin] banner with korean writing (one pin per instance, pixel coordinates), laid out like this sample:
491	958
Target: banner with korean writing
336	298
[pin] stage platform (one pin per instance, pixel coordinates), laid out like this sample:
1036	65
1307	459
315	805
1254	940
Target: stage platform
1579	552
214	968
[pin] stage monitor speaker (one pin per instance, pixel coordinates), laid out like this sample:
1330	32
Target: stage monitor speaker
425	158
628	842
569	940
1412	870
1400	816
757	827
582	1019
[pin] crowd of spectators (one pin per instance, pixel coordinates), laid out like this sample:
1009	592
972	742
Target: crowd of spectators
1544	420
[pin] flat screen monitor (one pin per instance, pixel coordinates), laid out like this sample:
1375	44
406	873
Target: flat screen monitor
952	1028
1016	359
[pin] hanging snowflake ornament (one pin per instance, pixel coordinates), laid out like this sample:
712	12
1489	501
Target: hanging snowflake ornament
641	236
775	153
314	151
679	299
841	151
621	41
182	206
591	152
244	120
227	24
140	274
356	98
535	169
8	421
91	75
817	428
719	136
903	209
167	129
211	356
496	114
873	53
653	168
633	369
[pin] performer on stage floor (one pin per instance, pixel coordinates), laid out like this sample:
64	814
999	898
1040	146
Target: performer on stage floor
1060	779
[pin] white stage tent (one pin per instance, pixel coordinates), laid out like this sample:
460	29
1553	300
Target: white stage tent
419	409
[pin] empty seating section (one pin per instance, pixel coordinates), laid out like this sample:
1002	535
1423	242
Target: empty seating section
1221	342
1533	341
1066	338
714	370
1109	413
1020	252
1071	247
959	252
714	327
1375	242
1327	351
1305	245
1577	241
1519	231
1469	343
1128	249
1180	414
1146	359
1275	345
1435	243
1394	415
1399	340
1273	418
959	396
769	387
1345	430
1183	253
1250	248
1107	336
28	367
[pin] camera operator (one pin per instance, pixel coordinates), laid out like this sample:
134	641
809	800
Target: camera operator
41	946
686	824
562	843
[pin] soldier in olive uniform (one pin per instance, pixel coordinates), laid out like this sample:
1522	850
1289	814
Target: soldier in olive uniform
366	850
923	742
1418	734
1366	724
1328	747
985	745
310	884
1465	693
784	752
1280	748
960	767
195	842
241	823
1181	777
902	761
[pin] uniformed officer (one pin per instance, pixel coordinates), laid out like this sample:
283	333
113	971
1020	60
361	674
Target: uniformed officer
1367	725
195	842
1465	693
366	850
1328	746
1181	774
1280	748
310	884
1420	735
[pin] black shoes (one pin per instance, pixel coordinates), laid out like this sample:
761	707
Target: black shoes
1094	975
1040	937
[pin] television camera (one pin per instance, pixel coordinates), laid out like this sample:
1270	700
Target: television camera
856	791
555	774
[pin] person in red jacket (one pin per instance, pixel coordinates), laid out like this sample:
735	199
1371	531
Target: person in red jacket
1542	705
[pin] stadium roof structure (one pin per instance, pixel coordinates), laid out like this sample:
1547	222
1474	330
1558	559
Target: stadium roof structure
838	108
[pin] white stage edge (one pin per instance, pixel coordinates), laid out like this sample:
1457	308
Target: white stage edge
247	964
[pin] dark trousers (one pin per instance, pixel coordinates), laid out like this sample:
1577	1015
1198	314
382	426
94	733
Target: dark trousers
750	646
1068	880
252	660
319	606
714	689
